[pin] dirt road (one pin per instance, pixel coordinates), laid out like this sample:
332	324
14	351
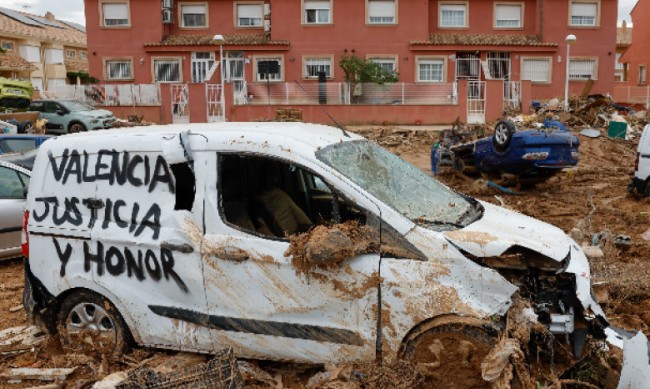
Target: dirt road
589	200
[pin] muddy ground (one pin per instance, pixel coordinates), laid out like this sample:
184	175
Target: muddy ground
587	200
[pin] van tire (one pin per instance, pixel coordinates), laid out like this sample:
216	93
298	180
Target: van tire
76	127
85	312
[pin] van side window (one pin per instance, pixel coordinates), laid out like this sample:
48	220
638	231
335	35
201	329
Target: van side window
273	198
12	186
185	186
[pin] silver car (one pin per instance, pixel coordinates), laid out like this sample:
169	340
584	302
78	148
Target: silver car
14	182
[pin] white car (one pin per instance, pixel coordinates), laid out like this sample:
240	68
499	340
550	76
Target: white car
14	182
284	241
641	179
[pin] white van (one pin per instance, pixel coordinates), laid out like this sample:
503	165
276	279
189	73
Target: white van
641	179
284	241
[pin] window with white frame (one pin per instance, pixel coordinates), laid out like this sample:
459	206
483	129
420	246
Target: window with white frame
118	69
499	65
194	15
70	53
277	65
388	64
584	13
316	65
453	15
115	14
167	70
53	56
431	69
507	15
249	15
30	53
536	69
83	55
382	11
317	11
642	75
7	46
582	69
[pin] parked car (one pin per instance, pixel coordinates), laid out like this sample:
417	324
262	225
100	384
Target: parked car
14	182
24	160
531	156
70	116
19	143
15	93
205	236
641	180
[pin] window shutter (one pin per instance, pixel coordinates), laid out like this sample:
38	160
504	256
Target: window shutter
193	9
453	7
115	11
508	12
252	11
381	8
584	9
317	4
536	70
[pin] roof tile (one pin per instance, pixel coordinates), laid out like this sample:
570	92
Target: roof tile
65	34
483	40
208	40
11	60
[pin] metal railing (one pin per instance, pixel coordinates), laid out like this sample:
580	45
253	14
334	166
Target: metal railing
341	93
632	94
108	94
512	95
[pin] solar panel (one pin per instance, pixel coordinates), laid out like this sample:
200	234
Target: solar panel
44	21
20	17
74	25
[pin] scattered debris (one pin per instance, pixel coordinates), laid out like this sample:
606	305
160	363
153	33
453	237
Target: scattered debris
590	132
30	373
19	339
16	308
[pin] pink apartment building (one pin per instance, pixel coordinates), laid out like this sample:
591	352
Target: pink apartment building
514	46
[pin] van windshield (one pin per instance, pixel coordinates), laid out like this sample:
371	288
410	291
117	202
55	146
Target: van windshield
400	185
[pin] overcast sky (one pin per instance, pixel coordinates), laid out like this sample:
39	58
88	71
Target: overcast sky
73	10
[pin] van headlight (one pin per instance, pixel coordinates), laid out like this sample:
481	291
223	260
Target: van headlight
538	156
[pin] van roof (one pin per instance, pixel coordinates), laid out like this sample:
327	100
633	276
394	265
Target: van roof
283	134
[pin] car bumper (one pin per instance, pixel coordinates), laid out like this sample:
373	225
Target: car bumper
37	301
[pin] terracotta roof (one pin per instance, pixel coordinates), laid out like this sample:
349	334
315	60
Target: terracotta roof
483	40
65	34
11	60
623	36
76	66
208	40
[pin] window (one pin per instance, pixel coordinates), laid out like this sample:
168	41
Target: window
430	69
453	15
249	15
115	14
314	66
382	11
30	53
70	54
194	15
271	67
8	145
317	11
388	64
642	75
8	46
83	55
468	65
508	15
536	69
499	65
119	69
12	183
582	69
53	56
584	13
202	64
167	70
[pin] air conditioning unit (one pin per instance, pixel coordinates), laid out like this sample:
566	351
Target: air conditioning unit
267	9
167	4
267	26
167	16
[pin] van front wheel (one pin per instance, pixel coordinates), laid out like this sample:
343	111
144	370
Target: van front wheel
85	316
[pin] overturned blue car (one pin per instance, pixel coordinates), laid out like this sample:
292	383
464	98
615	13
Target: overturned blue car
526	157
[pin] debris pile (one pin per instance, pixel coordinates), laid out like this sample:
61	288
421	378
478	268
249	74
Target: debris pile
131	121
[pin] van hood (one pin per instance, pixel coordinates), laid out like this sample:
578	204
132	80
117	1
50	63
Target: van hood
500	229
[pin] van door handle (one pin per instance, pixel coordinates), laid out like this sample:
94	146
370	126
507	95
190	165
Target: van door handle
231	253
182	248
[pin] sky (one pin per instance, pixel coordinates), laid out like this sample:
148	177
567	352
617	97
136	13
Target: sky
73	10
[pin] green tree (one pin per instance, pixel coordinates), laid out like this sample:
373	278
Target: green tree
363	70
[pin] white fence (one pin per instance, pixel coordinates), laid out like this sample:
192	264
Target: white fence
339	93
632	94
108	95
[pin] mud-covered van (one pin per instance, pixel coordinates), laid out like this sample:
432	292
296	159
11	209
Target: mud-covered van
291	241
641	179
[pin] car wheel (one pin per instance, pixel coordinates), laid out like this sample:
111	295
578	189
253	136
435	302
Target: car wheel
86	313
503	132
450	355
76	127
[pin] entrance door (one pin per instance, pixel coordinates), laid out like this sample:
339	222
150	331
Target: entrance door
265	302
234	72
201	64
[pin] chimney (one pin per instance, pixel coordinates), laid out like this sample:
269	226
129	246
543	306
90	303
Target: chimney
624	27
49	16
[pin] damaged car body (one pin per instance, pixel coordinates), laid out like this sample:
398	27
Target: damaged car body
284	241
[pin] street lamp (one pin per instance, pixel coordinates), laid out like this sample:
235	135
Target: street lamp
220	40
570	39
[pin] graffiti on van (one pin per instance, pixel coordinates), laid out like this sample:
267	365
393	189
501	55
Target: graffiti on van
115	261
67	211
108	166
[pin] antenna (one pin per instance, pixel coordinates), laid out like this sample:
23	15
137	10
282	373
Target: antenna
340	127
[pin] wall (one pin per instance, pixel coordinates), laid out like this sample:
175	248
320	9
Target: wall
151	114
639	51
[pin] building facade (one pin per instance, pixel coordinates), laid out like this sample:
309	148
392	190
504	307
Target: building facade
637	55
427	42
41	49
